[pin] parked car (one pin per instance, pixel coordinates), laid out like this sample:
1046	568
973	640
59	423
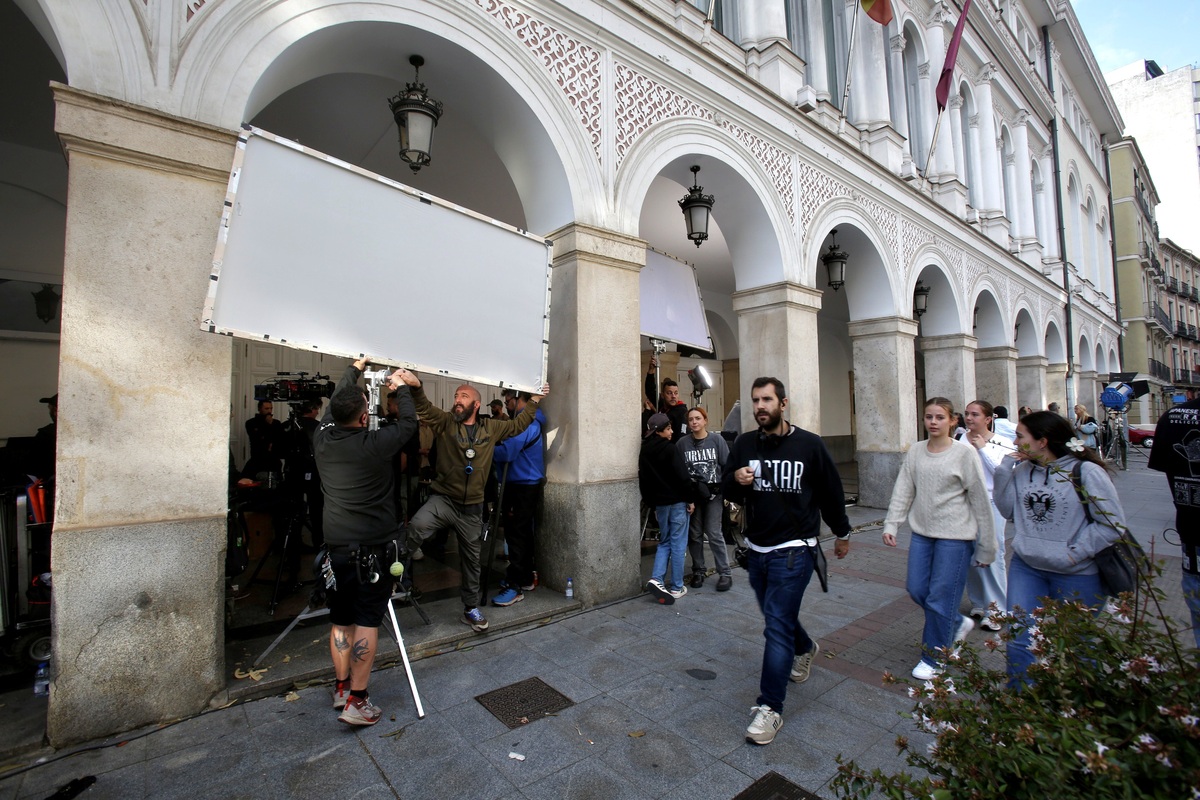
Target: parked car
1141	435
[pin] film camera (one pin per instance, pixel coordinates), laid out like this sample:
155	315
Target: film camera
294	387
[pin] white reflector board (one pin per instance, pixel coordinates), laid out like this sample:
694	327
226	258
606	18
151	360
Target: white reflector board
671	307
317	254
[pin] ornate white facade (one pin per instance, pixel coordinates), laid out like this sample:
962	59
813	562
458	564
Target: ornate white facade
578	120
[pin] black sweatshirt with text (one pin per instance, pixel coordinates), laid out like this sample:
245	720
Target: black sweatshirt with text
796	485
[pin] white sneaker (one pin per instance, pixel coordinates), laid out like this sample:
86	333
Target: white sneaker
964	629
802	664
989	624
678	593
924	672
418	555
978	612
764	726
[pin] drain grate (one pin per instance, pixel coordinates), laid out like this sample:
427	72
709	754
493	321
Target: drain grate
523	702
774	786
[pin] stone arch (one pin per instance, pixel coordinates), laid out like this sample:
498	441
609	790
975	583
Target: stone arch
748	207
871	271
1025	334
1055	343
991	328
1084	354
945	314
514	102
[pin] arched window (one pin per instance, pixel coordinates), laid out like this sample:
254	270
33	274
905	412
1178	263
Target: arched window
1092	257
1075	255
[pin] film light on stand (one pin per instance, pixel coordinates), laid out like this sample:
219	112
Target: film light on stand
701	381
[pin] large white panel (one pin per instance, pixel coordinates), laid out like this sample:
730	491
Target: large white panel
313	253
671	308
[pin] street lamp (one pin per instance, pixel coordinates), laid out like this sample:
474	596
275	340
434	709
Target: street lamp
920	300
835	263
416	114
696	208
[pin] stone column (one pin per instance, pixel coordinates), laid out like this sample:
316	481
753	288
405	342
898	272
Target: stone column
1031	383
1023	185
868	78
996	376
762	22
591	501
899	96
817	69
942	163
777	336
140	532
1056	386
885	401
989	148
950	367
1087	391
954	111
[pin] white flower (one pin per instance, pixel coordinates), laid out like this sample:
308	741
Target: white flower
1075	446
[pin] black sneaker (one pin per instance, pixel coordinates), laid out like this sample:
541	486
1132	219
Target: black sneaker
659	592
697	579
724	583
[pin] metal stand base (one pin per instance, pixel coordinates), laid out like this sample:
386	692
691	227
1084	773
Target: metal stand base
309	613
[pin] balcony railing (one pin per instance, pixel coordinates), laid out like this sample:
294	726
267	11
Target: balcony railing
1160	316
1160	370
1193	332
1181	329
1184	376
1184	289
1195	294
1173	283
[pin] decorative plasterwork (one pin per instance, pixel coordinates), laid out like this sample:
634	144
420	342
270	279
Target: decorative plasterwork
641	102
575	66
775	161
818	187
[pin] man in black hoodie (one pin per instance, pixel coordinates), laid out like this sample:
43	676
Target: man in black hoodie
787	482
360	524
666	487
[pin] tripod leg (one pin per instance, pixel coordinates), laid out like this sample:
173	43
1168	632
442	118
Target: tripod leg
412	684
307	613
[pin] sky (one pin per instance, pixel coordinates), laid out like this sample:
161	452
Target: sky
1123	31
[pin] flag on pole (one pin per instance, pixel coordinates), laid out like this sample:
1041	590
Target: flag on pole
943	87
878	10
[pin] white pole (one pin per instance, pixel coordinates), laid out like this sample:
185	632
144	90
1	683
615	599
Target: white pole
849	69
412	684
937	127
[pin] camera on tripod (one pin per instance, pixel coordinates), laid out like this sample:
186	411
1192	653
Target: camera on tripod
294	387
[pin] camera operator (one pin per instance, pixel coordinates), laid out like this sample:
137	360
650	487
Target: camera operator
267	441
360	525
465	443
303	479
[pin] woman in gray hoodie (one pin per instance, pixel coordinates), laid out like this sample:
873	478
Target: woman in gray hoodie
1054	544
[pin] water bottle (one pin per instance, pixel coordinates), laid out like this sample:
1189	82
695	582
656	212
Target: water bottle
570	588
41	682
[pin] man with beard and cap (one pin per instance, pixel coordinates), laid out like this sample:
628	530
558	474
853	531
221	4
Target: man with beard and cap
786	480
465	445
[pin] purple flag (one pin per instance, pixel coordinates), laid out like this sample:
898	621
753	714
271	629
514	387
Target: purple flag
943	87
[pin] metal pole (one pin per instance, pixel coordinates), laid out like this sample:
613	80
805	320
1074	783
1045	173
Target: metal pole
412	684
849	69
937	127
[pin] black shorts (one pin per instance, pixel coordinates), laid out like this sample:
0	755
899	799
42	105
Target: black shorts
356	602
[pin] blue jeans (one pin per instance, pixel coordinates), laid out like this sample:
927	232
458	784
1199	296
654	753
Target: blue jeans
672	544
779	579
1026	588
937	574
1191	589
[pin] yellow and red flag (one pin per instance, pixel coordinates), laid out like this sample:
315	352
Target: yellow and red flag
878	10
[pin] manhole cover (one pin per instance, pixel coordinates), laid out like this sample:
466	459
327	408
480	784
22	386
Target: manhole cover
524	702
774	786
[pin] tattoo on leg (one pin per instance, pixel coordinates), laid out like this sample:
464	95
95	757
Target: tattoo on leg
360	650
341	641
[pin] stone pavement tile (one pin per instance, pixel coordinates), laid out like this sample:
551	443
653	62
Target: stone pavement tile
564	646
609	670
685	631
734	620
657	693
472	721
567	681
660	760
610	632
655	652
705	723
555	742
443	685
884	755
312	700
227	722
517	665
46	779
871	704
460	774
227	759
127	783
8	788
590	779
737	652
739	695
831	730
316	731
340	767
793	757
718	782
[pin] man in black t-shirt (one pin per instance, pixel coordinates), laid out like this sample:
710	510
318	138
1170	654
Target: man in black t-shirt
1176	451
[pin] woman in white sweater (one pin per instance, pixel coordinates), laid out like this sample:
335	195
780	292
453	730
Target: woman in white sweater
941	490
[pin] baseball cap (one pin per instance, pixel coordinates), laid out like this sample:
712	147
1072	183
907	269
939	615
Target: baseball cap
657	422
52	400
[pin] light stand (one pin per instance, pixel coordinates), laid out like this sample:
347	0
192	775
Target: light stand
659	347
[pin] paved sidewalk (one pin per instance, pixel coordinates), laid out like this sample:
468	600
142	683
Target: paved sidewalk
662	696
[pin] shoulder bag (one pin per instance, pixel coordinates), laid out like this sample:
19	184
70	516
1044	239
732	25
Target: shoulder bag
1121	563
